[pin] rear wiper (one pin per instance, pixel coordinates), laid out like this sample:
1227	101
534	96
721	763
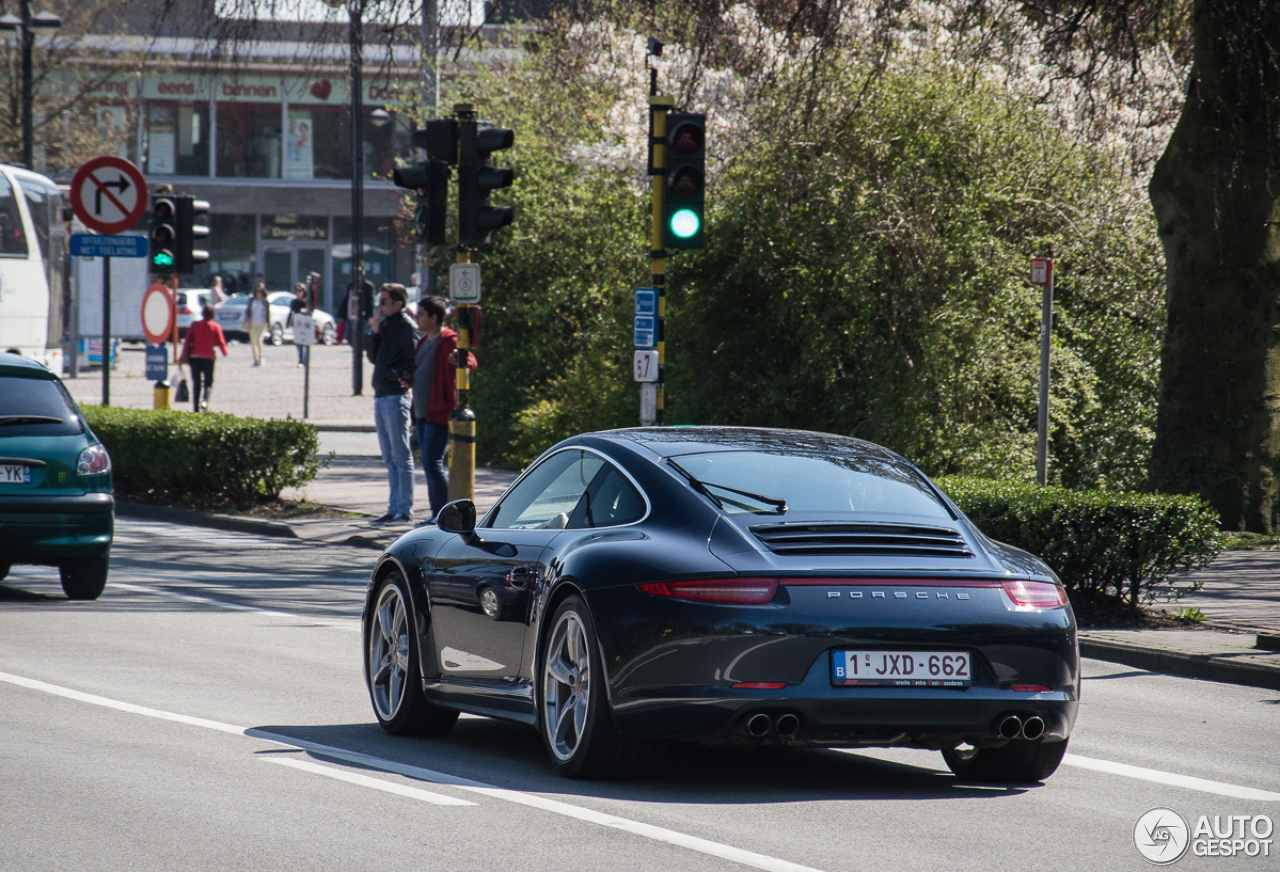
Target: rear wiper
5	420
702	487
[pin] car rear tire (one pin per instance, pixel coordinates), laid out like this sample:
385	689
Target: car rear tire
330	335
277	335
576	724
1022	761
391	667
84	578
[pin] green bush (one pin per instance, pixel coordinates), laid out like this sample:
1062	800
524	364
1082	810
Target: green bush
1121	546
207	460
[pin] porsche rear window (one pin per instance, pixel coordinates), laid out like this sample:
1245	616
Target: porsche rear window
813	483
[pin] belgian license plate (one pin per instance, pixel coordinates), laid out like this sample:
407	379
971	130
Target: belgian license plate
12	473
901	669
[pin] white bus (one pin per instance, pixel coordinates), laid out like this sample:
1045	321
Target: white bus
32	237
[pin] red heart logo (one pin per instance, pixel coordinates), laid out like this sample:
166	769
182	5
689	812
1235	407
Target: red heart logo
321	90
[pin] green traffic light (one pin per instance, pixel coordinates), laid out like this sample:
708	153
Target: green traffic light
162	258
685	223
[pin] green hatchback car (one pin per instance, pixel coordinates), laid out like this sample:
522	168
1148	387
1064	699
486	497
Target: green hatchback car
56	503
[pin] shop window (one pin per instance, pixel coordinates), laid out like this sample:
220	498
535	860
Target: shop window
117	134
177	139
249	140
318	143
233	253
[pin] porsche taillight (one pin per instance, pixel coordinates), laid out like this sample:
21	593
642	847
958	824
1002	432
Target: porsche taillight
716	590
1037	594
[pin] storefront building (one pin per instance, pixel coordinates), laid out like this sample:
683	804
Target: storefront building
271	152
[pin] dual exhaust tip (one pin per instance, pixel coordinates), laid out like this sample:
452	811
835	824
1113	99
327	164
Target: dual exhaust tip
762	724
1017	727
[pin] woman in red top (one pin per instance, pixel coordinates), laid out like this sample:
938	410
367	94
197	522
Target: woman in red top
203	337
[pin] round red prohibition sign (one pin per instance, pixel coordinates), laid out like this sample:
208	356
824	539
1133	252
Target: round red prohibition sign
108	194
157	314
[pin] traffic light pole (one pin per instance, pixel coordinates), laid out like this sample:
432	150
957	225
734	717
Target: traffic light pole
462	422
658	108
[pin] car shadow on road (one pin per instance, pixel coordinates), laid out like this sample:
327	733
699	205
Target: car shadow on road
512	756
18	595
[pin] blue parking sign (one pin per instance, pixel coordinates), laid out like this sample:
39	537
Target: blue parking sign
647	301
157	362
646	331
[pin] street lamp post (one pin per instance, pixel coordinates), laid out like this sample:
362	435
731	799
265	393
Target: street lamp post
25	28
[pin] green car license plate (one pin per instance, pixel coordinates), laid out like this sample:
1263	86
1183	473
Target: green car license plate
14	473
901	669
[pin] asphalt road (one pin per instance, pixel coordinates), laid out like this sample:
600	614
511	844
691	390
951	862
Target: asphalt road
208	713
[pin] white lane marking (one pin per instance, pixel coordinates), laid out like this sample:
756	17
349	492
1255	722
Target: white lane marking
1172	779
366	781
352	626
648	831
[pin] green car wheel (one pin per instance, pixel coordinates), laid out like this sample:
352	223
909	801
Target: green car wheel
84	578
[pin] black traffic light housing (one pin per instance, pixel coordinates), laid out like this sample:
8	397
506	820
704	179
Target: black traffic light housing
685	181
477	219
430	180
192	215
162	238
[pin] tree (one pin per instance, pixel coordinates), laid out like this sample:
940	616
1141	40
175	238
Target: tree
65	88
1216	193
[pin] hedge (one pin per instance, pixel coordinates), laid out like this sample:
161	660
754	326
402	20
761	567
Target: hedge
1125	546
208	460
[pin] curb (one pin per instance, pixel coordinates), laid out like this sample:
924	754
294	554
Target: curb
197	518
1206	667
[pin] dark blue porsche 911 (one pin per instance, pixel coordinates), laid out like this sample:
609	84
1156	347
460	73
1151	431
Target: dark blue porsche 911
729	586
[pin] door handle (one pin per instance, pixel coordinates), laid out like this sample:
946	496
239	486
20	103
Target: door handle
520	577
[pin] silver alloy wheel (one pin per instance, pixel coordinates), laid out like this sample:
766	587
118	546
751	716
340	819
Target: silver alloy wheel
389	652
489	602
566	685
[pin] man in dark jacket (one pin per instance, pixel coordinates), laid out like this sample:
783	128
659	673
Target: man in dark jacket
389	345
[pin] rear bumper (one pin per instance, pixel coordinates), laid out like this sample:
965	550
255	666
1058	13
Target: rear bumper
860	717
49	529
672	666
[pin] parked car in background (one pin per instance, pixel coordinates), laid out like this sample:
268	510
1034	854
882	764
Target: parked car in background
189	302
230	317
56	502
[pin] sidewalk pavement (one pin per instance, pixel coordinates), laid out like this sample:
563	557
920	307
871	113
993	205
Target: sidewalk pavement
1238	642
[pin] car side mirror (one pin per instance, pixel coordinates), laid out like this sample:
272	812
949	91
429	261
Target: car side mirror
458	516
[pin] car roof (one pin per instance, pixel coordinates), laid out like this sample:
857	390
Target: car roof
675	441
17	365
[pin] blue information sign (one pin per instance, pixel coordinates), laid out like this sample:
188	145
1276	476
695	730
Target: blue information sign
646	301
87	245
646	331
157	362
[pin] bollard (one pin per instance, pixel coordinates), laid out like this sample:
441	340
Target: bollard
162	395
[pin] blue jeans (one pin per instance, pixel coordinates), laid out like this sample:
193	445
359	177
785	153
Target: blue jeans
433	439
391	415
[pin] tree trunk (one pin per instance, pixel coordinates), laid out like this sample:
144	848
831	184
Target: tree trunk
1216	193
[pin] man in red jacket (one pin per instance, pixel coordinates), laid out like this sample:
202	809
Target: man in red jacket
203	337
435	396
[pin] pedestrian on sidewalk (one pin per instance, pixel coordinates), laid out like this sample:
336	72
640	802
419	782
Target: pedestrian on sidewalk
298	305
435	396
389	346
203	338
256	317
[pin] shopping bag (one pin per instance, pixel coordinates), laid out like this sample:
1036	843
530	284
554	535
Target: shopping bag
184	394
